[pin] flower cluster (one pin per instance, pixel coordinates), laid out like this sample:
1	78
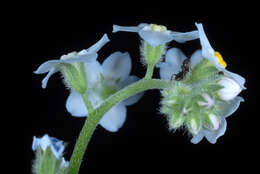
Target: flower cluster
200	95
206	94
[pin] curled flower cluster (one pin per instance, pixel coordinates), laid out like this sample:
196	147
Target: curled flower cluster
200	95
205	95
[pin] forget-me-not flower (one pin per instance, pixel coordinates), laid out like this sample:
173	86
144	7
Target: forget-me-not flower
215	57
157	34
49	155
56	146
103	81
86	55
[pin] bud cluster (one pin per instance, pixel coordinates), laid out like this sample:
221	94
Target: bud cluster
195	102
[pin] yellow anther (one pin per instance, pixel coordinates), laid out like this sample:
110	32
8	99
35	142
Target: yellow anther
221	61
159	28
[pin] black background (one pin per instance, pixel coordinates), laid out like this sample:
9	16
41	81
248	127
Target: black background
45	31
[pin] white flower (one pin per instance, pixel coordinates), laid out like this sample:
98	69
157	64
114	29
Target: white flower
103	81
56	146
215	57
86	55
157	34
230	88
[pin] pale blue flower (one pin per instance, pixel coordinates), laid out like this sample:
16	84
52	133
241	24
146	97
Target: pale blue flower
172	65
56	146
209	53
103	81
86	55
157	34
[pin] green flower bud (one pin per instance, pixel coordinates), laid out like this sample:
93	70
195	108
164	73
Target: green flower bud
176	119
194	123
49	158
211	121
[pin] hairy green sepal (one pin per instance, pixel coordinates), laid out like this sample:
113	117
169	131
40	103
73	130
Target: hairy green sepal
75	76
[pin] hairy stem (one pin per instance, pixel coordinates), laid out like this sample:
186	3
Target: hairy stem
95	116
149	72
87	102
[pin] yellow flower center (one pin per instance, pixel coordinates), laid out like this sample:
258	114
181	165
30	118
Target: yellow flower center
221	61
159	28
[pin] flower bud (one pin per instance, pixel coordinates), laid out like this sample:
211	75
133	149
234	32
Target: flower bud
230	88
211	121
194	123
176	120
49	158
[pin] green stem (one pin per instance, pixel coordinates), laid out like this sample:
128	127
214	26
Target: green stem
87	102
149	71
94	118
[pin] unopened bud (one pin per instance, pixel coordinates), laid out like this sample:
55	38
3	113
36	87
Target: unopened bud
176	120
49	158
230	88
212	121
194	124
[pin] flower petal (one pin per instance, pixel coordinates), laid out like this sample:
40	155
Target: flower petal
240	80
206	47
167	70
155	38
196	58
117	65
174	59
228	108
207	50
97	46
183	37
75	105
175	56
131	100
114	118
46	78
117	28
47	66
197	138
56	145
93	71
212	136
